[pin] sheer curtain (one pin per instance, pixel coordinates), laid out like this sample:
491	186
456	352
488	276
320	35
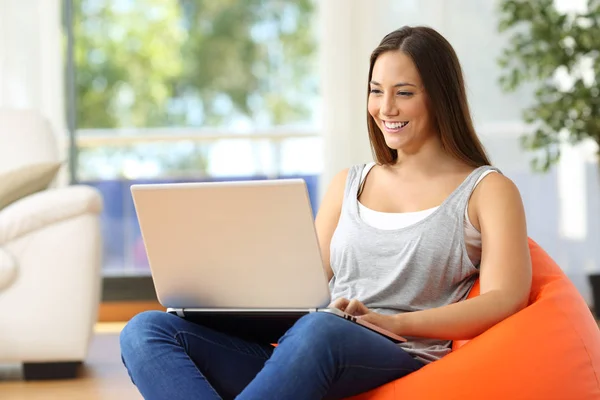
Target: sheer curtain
349	31
562	205
31	63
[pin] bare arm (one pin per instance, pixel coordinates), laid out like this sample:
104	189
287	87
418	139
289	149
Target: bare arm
329	215
505	271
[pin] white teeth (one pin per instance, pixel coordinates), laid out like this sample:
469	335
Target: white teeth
395	125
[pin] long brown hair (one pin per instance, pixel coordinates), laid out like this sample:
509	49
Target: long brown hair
443	82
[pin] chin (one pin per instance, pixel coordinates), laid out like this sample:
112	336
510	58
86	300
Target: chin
394	143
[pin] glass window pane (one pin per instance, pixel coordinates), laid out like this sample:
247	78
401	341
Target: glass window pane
191	90
239	64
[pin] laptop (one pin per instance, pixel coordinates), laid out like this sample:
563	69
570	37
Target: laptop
238	256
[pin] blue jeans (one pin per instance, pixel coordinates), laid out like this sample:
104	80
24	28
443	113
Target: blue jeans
321	356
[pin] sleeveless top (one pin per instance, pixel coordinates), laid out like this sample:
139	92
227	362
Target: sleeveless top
421	266
386	220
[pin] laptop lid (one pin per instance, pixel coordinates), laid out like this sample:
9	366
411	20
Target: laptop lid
249	244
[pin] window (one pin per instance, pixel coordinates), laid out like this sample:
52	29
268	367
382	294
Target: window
190	90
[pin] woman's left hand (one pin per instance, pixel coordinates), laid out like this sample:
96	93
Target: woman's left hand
387	322
358	309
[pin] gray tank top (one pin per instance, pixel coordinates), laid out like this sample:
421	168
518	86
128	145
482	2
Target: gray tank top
421	266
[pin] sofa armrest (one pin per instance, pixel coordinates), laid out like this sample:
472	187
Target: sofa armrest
8	269
46	208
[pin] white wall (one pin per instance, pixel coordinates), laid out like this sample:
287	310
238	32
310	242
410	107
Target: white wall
562	205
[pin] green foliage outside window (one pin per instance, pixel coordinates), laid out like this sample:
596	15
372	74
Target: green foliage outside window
150	63
188	63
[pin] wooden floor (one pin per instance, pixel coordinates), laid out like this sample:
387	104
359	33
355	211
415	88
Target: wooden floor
102	377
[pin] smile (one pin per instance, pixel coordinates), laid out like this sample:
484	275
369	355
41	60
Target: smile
394	126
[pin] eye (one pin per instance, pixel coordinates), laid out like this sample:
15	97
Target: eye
405	94
375	91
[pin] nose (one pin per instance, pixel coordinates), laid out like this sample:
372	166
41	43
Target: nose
389	107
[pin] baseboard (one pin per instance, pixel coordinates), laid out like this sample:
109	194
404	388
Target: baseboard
128	288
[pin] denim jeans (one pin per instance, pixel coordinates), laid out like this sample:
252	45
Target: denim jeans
321	356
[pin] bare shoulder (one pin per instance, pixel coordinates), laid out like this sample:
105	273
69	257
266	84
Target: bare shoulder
497	186
496	196
335	192
340	179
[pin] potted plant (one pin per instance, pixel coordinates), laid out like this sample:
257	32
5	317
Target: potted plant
545	44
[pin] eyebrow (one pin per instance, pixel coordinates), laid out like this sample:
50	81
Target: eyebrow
400	84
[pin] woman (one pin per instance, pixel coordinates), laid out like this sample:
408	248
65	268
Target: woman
403	240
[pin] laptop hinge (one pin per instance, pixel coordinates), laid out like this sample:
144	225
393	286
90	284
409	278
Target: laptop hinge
177	311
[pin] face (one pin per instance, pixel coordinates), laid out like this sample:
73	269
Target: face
398	102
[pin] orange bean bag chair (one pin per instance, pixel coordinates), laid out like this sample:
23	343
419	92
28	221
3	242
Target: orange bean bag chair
549	350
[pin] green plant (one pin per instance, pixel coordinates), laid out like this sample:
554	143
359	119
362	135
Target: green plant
559	54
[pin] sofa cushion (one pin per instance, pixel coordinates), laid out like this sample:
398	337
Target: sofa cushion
26	180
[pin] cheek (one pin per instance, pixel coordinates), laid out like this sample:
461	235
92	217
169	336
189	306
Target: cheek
418	110
373	107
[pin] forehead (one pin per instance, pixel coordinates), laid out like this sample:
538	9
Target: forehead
393	67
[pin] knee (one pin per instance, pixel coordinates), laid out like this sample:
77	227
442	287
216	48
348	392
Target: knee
139	332
320	329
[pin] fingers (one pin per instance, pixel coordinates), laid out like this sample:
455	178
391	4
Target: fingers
352	307
340	303
355	307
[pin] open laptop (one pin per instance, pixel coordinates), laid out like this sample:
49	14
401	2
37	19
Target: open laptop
241	257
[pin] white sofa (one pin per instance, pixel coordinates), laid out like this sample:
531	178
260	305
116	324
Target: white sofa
50	253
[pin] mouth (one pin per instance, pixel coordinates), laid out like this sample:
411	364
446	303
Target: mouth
394	126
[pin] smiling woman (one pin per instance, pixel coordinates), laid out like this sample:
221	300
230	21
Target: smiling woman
450	218
400	110
416	71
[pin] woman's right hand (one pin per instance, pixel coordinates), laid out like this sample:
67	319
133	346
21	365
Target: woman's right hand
353	307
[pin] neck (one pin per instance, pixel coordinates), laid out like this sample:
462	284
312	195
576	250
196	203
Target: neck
430	157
